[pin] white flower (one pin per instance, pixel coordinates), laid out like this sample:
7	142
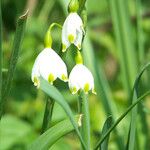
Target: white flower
81	78
72	31
48	65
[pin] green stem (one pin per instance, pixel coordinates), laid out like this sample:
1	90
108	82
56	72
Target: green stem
120	118
47	114
1	80
48	38
81	5
84	108
14	58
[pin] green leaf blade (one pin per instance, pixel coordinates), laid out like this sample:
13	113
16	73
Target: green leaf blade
47	139
52	92
14	58
107	125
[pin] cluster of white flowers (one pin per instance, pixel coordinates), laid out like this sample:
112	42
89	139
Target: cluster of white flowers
50	66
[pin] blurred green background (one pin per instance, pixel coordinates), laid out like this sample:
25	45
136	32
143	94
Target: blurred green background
24	110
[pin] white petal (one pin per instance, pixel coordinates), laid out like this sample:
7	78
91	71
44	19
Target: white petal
78	40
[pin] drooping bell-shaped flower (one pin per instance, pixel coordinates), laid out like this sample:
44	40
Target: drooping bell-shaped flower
81	77
50	66
72	31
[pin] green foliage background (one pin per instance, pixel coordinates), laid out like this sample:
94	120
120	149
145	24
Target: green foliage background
24	110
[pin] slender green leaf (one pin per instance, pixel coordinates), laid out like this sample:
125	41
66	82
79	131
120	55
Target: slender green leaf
120	118
129	108
14	57
132	130
53	93
139	32
46	9
47	139
126	49
85	128
1	80
107	125
47	114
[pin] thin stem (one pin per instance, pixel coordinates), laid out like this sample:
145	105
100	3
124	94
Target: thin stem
84	108
1	80
120	118
47	114
81	5
14	58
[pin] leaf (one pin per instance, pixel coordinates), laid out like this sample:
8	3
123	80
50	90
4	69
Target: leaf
132	129
1	80
129	108
107	125
47	139
14	58
52	92
126	48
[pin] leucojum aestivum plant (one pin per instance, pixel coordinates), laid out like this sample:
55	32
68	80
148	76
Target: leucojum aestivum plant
50	66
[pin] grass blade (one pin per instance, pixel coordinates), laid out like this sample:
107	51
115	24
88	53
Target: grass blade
126	52
47	114
139	32
132	130
107	125
85	128
1	80
47	139
129	108
53	93
14	57
120	118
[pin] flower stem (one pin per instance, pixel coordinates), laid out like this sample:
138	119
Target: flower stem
47	114
84	109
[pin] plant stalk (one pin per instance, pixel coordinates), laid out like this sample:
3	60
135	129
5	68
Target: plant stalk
84	109
47	114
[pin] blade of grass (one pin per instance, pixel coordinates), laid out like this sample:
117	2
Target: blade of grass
53	93
14	58
47	114
120	118
139	32
1	80
126	49
107	125
140	45
101	84
46	9
85	128
47	139
132	130
129	108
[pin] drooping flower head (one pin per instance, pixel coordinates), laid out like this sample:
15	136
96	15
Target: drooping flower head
72	31
50	66
81	77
